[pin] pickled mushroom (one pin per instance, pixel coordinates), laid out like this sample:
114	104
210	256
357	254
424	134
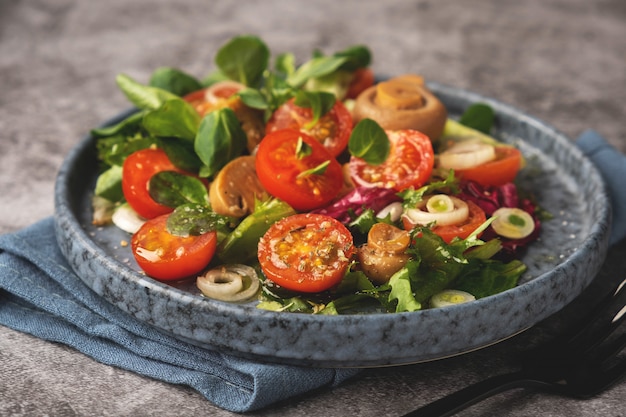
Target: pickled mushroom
236	187
384	253
402	102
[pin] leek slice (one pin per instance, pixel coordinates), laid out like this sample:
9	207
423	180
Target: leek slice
232	283
127	219
447	298
445	211
513	223
467	154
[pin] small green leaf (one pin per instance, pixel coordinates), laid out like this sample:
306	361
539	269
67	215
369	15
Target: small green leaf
130	124
195	219
318	170
143	96
315	68
173	189
253	98
303	149
356	57
181	153
214	77
243	59
113	150
336	83
285	64
369	142
319	102
478	116
241	244
175	118
319	66
400	283
364	221
491	277
175	81
411	197
220	139
109	184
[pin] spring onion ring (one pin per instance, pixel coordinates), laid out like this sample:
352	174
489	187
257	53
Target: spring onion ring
393	210
450	297
467	154
213	98
513	223
232	283
422	216
127	219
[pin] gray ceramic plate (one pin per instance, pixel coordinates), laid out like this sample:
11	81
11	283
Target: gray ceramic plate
560	265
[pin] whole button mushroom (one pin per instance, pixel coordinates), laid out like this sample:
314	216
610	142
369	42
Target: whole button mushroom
402	102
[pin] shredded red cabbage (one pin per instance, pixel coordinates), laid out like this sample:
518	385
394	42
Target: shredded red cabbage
357	200
492	198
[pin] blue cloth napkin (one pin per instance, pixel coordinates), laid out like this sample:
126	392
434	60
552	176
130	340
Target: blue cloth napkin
612	167
40	295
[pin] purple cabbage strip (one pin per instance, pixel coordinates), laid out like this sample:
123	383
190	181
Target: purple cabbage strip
357	200
492	198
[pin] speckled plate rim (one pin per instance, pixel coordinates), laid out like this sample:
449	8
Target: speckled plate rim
340	341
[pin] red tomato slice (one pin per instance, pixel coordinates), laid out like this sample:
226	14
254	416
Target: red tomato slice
447	233
283	174
409	164
332	129
167	257
498	172
137	170
363	79
306	252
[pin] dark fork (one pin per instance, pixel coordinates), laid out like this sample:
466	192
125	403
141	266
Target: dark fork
578	364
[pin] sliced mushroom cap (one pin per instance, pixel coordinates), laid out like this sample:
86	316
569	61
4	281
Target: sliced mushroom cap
235	188
402	103
251	122
379	266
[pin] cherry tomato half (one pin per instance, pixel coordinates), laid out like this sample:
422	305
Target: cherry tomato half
306	252
167	257
500	171
216	96
285	174
409	164
137	170
332	129
363	79
475	218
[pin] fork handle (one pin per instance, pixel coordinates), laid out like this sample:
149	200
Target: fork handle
473	394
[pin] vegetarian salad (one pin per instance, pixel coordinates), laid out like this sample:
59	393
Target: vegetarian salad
312	188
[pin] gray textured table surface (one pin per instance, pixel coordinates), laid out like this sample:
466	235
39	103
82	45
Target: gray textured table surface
562	61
